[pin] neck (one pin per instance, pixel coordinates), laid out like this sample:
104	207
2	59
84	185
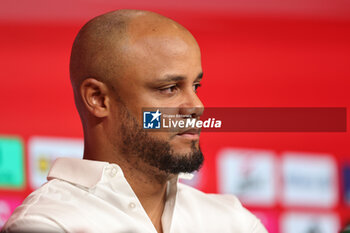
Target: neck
150	190
148	183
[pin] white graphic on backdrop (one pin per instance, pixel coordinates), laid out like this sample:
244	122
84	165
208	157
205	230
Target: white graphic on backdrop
309	180
309	223
44	150
248	174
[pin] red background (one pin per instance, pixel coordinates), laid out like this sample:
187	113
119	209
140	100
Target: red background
290	54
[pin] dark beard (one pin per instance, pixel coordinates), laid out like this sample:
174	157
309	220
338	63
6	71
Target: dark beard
154	152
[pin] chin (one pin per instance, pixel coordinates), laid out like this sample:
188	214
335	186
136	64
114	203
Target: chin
184	148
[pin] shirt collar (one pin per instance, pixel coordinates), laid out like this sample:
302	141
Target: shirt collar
86	173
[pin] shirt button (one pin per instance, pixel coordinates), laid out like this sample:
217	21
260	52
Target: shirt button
113	172
132	205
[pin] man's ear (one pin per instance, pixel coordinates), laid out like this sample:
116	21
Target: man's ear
94	96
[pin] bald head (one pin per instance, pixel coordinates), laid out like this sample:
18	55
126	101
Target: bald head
122	62
105	45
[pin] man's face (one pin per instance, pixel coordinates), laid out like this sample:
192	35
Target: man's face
161	71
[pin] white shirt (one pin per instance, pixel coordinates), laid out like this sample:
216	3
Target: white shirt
91	196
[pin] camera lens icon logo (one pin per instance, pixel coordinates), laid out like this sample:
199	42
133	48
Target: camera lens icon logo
151	120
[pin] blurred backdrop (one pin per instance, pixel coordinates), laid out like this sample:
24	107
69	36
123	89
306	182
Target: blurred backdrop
255	53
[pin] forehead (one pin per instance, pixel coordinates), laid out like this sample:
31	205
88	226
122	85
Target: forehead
155	47
152	54
162	47
157	54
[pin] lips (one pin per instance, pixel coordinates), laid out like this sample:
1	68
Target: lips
190	131
190	134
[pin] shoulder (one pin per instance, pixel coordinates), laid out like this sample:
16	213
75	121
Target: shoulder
37	210
31	223
218	207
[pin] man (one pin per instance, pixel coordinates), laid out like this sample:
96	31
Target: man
122	62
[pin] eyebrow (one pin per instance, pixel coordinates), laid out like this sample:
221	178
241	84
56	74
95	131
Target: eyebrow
199	77
176	78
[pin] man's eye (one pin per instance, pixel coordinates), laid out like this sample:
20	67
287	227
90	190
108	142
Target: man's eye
196	86
168	90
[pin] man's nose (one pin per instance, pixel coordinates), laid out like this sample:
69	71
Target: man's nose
192	105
